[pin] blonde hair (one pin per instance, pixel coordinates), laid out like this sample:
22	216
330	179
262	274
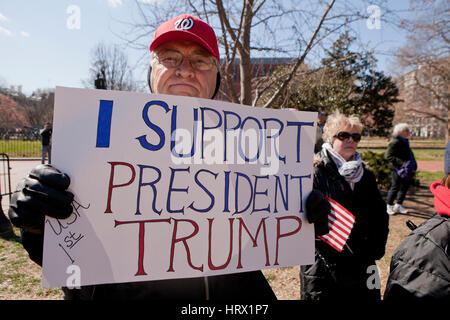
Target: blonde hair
338	121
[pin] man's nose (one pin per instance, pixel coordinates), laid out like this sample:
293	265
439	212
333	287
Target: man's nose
185	68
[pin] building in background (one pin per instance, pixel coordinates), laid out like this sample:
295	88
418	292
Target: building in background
425	95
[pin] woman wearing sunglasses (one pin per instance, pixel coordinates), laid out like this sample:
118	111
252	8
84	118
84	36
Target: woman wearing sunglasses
340	174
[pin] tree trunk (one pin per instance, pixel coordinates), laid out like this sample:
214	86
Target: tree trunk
244	53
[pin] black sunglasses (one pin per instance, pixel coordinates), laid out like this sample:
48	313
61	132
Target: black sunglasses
346	135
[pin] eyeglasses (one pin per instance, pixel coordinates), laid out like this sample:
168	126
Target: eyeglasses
346	135
173	59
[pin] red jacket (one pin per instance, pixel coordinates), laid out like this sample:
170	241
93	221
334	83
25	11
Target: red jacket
441	198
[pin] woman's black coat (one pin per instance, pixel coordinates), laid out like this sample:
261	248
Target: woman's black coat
350	273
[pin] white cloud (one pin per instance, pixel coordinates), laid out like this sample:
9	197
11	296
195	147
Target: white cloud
24	34
5	32
114	3
3	18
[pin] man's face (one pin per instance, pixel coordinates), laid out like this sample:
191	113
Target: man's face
183	80
322	119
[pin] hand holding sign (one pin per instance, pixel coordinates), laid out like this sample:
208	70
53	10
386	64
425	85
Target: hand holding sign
42	193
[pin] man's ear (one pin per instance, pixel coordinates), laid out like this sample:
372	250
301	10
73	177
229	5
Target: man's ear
148	78
217	84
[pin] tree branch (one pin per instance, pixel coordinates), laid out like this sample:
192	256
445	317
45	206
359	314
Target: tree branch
301	59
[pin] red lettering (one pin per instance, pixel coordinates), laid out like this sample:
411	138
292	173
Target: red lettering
111	184
210	264
261	224
184	240
141	250
279	235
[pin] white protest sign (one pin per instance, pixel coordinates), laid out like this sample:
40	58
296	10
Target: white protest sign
175	187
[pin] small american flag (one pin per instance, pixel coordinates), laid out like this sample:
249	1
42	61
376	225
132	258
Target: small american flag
340	223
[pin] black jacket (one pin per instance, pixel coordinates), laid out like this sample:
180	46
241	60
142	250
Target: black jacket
46	135
398	152
420	266
345	274
233	287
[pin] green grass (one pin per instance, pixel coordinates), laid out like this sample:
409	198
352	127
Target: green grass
415	142
422	154
270	277
20	278
429	154
430	176
21	149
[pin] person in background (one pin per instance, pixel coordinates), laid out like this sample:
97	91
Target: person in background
184	62
321	120
420	266
46	135
340	174
403	166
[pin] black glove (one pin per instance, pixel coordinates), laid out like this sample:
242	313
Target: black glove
42	193
317	210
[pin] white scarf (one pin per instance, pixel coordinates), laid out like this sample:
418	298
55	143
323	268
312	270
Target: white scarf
351	170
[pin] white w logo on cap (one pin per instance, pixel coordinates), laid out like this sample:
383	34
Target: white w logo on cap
184	24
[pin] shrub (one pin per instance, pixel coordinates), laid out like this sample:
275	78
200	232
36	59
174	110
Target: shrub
379	166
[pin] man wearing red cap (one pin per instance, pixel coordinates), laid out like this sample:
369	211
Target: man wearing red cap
185	59
184	62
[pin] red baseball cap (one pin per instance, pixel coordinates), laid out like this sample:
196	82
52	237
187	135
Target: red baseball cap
187	27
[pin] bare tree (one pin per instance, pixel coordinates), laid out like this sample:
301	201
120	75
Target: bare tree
426	60
291	28
38	108
113	63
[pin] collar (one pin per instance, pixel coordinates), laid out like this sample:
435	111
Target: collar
403	139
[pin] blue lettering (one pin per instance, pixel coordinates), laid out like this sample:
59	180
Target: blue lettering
174	128
226	129
151	184
142	139
206	190
204	127
227	191
104	123
171	189
241	152
256	192
300	195
284	199
236	197
274	137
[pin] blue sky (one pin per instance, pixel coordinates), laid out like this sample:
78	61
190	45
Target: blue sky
39	50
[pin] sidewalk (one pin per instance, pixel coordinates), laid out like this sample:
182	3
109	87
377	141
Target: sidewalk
433	166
